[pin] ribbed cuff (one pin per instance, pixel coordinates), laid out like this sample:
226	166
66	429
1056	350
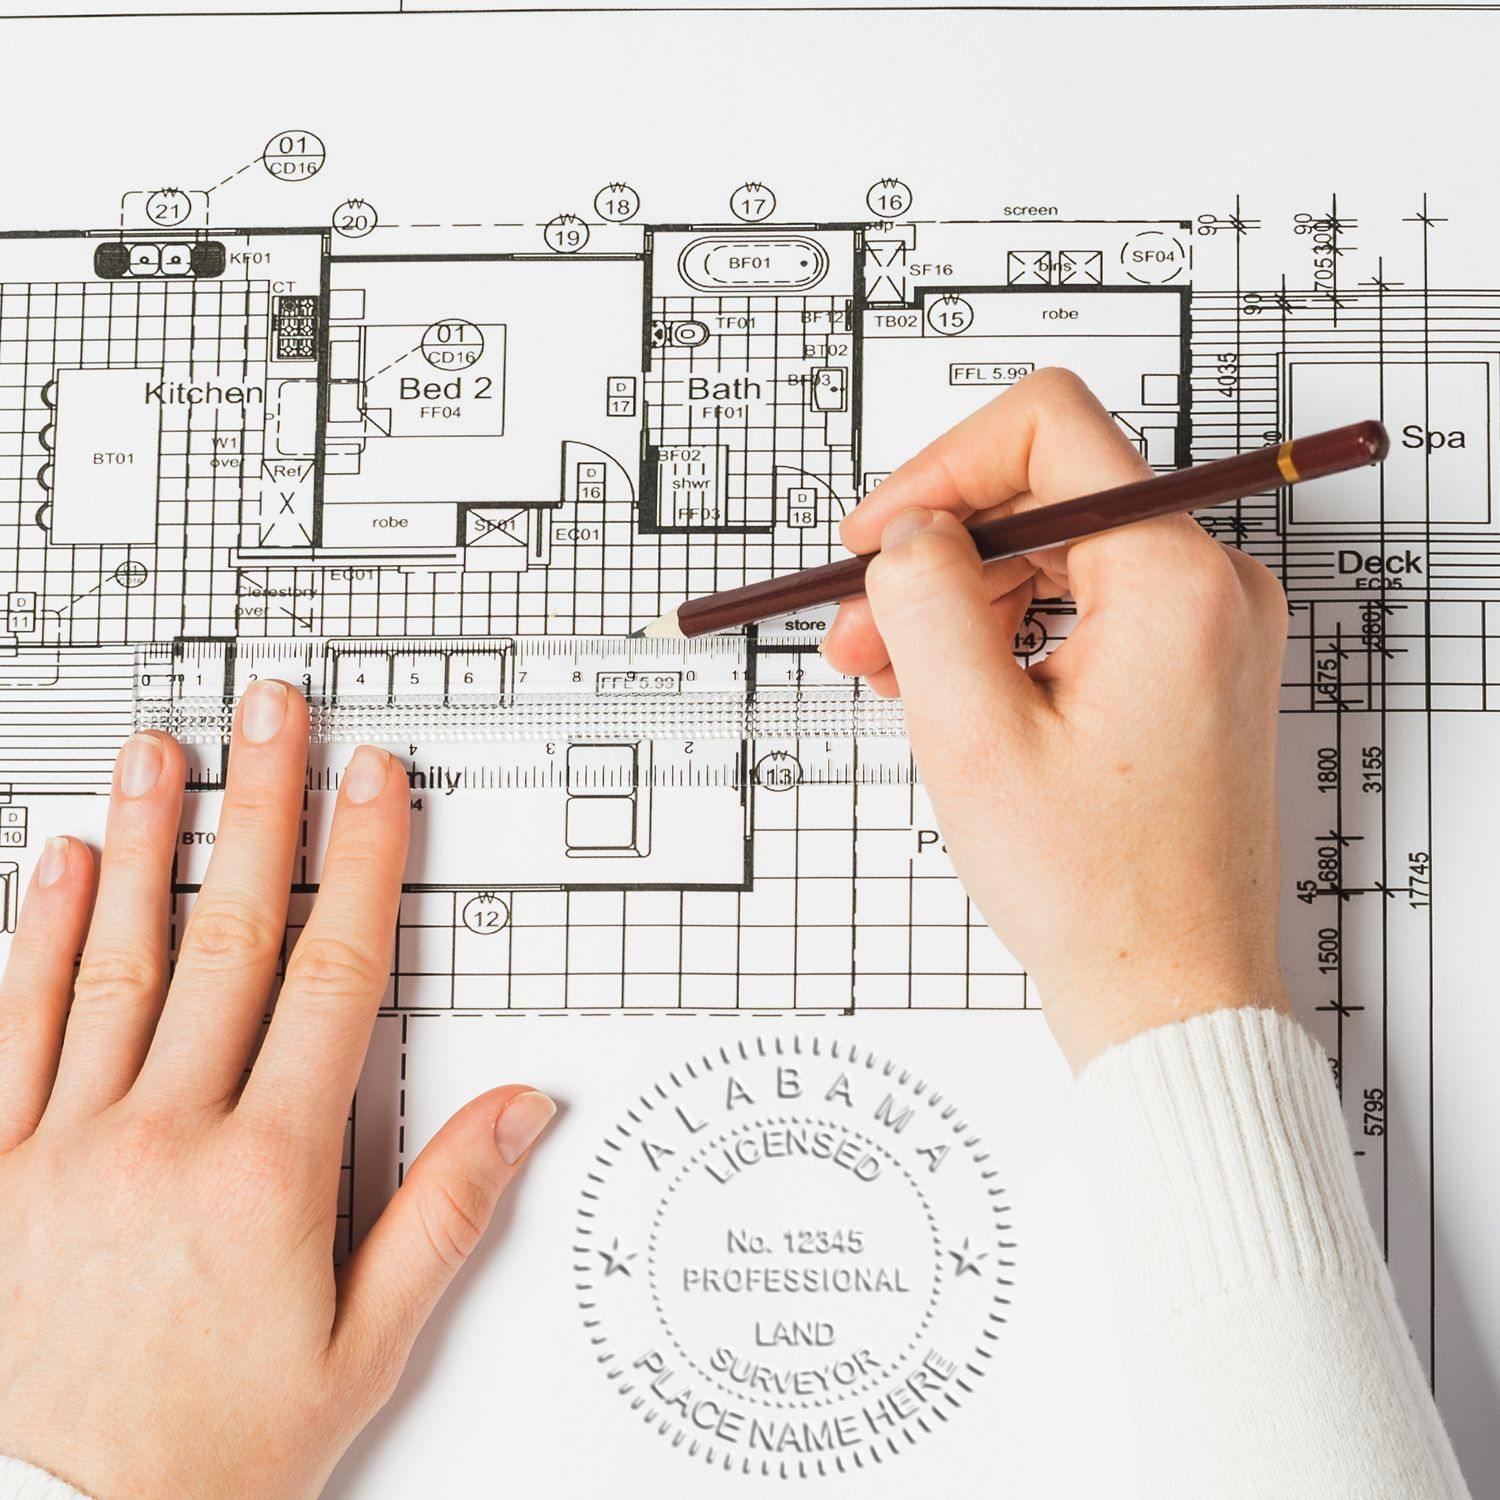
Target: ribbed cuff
1219	1158
20	1481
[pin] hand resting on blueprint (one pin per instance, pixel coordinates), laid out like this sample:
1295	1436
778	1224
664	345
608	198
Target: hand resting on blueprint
171	1323
1111	809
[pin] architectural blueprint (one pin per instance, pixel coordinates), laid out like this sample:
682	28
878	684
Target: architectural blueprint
419	361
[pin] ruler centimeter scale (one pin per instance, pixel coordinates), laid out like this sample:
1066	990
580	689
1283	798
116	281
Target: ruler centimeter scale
514	688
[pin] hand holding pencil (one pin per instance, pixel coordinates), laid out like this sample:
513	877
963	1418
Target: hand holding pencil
1111	808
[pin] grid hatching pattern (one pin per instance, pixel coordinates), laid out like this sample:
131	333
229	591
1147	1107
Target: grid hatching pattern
746	390
209	458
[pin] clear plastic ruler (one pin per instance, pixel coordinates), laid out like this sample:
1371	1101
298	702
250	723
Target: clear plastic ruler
515	688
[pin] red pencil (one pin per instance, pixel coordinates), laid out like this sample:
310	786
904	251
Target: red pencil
1203	485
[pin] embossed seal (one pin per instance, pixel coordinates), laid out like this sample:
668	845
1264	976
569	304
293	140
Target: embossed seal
793	1257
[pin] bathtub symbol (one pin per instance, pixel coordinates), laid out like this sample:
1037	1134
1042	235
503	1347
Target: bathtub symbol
786	263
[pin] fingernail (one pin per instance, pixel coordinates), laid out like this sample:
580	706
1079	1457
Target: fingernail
54	860
366	774
140	765
905	526
520	1123
263	711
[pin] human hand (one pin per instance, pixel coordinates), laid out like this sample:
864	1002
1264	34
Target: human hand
173	1324
1111	809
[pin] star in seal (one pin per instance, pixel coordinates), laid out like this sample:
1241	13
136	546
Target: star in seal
616	1259
966	1258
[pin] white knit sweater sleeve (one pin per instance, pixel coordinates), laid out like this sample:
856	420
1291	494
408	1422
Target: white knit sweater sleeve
20	1481
1262	1343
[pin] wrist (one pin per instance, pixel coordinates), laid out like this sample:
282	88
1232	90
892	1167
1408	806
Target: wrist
1118	1002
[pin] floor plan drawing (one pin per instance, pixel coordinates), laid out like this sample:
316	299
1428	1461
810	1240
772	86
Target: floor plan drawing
434	460
425	481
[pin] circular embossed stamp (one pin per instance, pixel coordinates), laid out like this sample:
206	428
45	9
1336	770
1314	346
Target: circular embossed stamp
793	1257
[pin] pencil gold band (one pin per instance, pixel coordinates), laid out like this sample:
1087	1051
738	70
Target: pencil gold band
1285	464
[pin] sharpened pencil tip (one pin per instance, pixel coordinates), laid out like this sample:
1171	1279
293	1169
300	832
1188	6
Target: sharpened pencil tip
664	627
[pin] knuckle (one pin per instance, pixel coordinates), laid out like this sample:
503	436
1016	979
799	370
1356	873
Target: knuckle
221	932
265	1142
248	808
115	981
454	1212
1278	618
365	864
142	1145
1213	583
263	1155
331	968
1266	593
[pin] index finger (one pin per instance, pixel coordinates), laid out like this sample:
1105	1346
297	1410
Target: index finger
341	964
1045	439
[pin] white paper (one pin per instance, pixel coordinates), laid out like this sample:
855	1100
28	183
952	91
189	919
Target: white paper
478	412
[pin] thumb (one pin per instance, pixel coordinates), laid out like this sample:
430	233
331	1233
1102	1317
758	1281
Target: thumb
390	1285
949	644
